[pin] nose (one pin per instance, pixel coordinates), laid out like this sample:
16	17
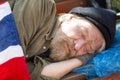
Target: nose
79	43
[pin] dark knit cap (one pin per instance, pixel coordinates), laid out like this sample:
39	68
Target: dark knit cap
104	19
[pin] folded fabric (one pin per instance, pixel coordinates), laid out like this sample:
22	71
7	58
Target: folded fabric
12	61
105	63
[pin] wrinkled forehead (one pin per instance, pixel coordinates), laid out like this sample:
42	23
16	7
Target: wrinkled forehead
74	26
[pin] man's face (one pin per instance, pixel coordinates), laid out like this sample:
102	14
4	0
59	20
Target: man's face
75	37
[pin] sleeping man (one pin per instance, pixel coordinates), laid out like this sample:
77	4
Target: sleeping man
72	39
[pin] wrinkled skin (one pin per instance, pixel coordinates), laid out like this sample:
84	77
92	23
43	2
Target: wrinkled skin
75	36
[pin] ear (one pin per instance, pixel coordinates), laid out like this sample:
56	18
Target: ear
62	17
65	16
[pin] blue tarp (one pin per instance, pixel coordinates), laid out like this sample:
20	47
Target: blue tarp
105	63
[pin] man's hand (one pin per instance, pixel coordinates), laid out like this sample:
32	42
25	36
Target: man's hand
59	69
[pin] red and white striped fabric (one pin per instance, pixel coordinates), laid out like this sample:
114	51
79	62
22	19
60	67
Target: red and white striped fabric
12	61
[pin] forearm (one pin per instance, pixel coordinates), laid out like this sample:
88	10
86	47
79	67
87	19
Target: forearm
59	69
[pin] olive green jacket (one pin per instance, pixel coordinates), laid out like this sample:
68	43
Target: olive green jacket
35	20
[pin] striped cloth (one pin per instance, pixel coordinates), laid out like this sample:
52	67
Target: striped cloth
12	61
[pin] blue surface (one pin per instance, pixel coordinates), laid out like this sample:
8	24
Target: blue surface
104	63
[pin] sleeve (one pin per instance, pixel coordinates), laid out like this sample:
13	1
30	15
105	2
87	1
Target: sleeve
34	18
85	58
12	62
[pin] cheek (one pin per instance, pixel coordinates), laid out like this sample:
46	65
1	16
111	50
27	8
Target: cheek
71	30
61	47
